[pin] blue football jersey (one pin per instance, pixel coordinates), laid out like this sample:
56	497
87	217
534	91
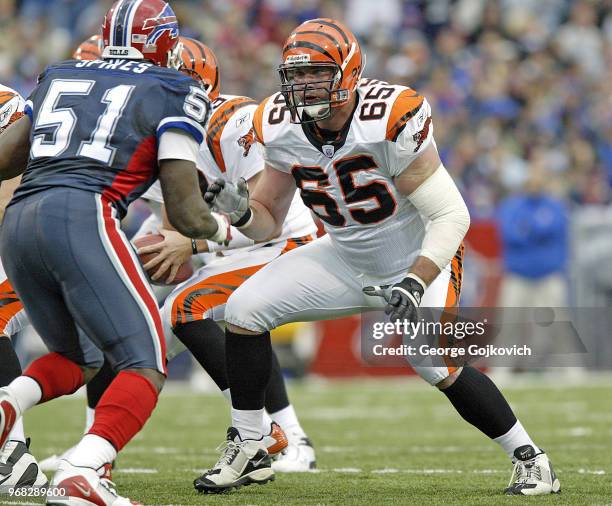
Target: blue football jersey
96	125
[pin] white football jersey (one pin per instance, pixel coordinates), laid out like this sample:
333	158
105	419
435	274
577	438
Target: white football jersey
11	109
349	183
222	155
11	106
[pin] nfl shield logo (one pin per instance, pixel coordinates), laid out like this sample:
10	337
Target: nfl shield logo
328	150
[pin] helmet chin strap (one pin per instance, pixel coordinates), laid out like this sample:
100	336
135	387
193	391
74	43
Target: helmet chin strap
316	111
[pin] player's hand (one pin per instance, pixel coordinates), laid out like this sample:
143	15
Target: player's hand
231	199
172	252
403	298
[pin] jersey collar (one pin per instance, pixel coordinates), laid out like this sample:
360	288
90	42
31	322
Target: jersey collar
310	131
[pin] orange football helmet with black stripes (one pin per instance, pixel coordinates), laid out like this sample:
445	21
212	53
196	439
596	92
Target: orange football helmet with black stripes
321	68
90	49
199	61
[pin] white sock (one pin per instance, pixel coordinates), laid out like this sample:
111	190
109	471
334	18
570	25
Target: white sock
288	421
227	394
266	422
92	451
90	415
248	422
17	433
26	391
265	428
515	437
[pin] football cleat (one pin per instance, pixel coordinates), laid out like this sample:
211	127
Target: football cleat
533	474
241	463
276	440
18	467
298	457
83	486
9	413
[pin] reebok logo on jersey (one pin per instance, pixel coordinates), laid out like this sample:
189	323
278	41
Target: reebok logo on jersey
242	120
5	115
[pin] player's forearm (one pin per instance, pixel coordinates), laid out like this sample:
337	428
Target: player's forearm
192	219
425	269
263	225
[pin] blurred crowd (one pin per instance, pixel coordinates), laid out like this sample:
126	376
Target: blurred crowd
518	87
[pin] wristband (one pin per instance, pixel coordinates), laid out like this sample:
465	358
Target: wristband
223	229
245	220
194	247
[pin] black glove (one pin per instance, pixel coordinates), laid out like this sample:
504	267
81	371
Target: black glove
403	298
231	199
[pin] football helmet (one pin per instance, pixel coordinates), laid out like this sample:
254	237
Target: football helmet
200	62
321	67
90	49
142	29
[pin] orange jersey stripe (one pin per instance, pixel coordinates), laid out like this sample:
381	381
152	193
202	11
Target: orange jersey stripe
406	105
217	124
258	121
193	302
6	97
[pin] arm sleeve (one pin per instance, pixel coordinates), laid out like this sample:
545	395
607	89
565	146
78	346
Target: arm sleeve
439	200
176	144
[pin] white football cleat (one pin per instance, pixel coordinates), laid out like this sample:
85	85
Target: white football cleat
9	413
83	486
533	474
276	440
241	463
18	468
51	464
298	457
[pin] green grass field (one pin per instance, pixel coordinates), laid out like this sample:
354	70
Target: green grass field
378	442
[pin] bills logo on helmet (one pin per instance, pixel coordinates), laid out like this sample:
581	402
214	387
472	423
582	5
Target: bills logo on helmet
164	21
